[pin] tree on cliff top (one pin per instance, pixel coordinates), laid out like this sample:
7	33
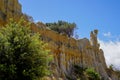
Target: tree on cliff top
62	27
22	54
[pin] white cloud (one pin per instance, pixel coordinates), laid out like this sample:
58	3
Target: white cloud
112	52
108	34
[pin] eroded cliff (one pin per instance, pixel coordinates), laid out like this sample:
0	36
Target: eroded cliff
66	51
9	9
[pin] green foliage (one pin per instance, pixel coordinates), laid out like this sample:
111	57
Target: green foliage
22	54
91	74
79	70
111	67
62	27
85	73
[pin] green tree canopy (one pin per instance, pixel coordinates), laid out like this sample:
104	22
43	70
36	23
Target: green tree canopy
62	27
22	53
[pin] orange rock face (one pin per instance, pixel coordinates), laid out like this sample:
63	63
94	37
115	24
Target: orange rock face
68	52
9	9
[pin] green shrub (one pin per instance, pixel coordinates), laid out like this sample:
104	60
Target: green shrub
91	74
22	53
79	70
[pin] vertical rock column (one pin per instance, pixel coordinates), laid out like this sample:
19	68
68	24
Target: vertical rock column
9	9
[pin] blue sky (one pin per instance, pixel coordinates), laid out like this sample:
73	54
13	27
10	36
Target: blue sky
103	15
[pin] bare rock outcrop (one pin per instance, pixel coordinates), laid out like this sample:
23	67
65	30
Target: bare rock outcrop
9	9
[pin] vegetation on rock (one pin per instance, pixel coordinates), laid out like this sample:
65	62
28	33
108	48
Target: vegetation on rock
62	27
85	73
91	74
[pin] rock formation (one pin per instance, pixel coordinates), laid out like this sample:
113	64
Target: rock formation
9	9
66	51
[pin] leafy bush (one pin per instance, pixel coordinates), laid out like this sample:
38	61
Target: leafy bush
79	70
83	73
91	74
22	54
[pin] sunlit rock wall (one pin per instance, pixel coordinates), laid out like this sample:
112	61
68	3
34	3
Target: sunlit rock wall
68	52
9	9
